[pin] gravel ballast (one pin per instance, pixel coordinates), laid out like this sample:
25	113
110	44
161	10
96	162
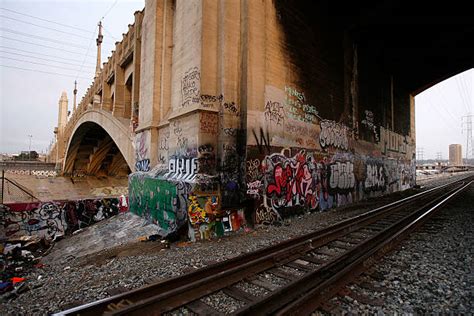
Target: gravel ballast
70	281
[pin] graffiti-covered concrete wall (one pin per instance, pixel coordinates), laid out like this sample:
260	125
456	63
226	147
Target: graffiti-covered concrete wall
56	218
252	108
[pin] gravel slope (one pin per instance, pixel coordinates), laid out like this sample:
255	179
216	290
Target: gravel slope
67	281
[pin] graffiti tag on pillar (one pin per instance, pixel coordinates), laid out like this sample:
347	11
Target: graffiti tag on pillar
143	165
182	169
274	112
334	134
209	123
190	87
208	101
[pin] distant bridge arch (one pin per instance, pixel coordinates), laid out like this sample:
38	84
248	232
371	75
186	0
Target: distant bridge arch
99	143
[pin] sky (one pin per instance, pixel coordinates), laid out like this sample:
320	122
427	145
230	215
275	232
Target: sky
441	116
57	37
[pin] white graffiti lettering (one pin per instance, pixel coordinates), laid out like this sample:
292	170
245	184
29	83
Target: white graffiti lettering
334	134
342	175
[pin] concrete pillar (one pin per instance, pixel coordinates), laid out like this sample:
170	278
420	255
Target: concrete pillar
106	96
136	71
154	73
118	109
253	62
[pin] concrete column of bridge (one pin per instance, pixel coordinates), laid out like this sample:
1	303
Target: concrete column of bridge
253	61
118	106
106	96
154	75
136	69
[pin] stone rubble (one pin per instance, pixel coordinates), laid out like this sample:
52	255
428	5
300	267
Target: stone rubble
70	278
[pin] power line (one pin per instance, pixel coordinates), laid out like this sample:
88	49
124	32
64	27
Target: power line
450	128
41	71
42	38
51	28
87	52
109	33
47	55
46	20
46	59
461	93
51	47
32	62
110	9
44	27
446	103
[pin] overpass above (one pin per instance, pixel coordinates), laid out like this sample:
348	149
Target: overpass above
284	105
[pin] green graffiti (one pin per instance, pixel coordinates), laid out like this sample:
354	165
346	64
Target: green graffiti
153	199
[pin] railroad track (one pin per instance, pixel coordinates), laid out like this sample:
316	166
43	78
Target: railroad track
294	277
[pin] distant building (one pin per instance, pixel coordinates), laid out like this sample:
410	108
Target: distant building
455	155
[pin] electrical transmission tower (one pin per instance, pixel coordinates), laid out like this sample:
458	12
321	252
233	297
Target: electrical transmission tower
439	156
419	154
466	125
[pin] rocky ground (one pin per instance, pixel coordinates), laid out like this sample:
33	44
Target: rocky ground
430	273
437	277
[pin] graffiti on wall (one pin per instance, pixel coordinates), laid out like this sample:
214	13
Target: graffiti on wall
209	101
375	177
57	218
141	151
297	107
206	159
190	87
391	141
182	169
290	181
369	123
158	201
274	112
209	123
37	173
334	134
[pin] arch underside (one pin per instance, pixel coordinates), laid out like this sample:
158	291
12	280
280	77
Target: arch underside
92	151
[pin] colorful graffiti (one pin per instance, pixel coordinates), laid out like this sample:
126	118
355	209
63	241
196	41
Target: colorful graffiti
158	201
290	181
56	218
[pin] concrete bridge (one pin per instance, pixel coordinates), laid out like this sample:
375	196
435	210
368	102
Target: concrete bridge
97	139
290	104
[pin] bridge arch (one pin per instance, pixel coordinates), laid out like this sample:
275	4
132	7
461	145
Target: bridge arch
99	143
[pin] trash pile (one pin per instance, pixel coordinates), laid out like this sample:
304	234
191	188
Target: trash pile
18	257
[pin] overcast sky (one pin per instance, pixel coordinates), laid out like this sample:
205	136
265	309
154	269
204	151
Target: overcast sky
59	37
439	112
29	99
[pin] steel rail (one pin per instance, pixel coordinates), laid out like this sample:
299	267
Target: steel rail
182	289
303	296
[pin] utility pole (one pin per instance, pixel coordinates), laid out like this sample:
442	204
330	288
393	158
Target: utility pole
466	125
419	154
